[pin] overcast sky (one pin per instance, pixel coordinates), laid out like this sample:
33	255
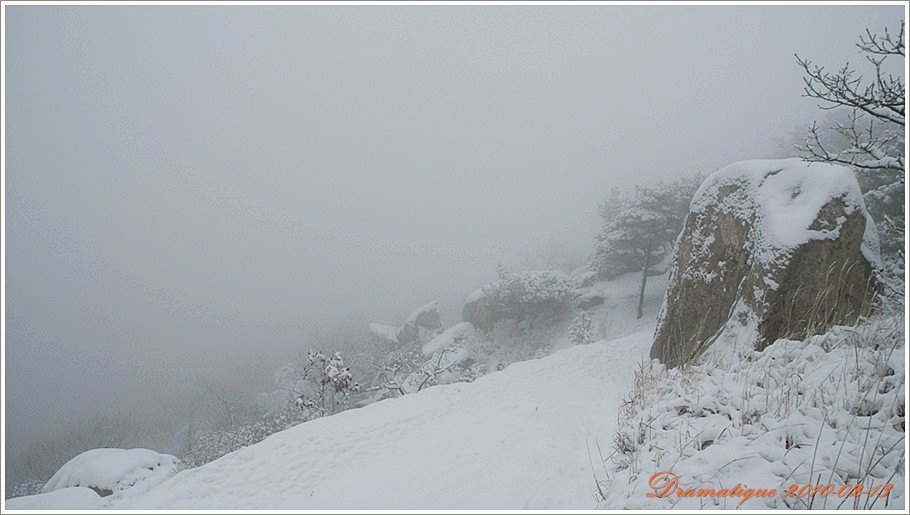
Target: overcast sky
188	185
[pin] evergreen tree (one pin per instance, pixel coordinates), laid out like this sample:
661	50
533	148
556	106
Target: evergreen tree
640	228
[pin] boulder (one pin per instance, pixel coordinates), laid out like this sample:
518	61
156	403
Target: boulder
424	321
484	311
783	248
587	302
532	296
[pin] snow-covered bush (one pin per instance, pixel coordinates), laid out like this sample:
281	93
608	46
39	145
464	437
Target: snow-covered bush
581	332
320	384
827	410
410	371
510	342
331	383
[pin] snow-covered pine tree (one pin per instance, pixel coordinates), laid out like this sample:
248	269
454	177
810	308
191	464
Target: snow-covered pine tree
640	228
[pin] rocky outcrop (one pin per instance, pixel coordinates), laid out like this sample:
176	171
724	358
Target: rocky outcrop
531	296
587	302
423	321
782	248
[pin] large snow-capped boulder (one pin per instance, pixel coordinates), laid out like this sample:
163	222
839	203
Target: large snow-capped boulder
112	471
781	247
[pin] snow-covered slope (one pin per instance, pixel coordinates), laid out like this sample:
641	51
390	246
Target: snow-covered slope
616	316
826	412
510	440
74	498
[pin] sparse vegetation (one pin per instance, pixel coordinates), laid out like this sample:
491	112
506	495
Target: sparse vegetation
829	409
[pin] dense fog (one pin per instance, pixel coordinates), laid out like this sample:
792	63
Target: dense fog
197	193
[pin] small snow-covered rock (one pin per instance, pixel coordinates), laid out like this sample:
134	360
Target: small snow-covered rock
784	245
587	302
109	471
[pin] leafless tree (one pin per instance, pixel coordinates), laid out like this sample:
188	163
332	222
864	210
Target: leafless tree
874	133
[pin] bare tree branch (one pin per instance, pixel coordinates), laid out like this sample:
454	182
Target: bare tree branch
872	44
873	134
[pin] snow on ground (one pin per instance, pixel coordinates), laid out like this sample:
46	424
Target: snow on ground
616	316
827	411
513	439
119	473
76	498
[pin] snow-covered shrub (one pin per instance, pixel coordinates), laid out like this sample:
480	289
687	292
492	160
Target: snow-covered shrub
331	383
581	332
320	385
826	410
411	372
509	342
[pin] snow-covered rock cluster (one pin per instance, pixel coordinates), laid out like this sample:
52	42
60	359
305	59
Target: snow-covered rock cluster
784	245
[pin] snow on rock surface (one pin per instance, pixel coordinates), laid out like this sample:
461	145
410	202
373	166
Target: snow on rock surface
513	439
519	296
385	332
110	471
783	244
448	338
422	323
426	315
785	197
